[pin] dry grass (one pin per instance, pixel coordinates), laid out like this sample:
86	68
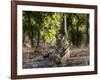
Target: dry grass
33	58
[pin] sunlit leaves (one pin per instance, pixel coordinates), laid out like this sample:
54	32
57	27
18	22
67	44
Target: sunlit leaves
77	27
46	26
50	26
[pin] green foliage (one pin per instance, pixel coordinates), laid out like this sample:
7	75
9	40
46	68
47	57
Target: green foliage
50	26
47	25
77	26
44	25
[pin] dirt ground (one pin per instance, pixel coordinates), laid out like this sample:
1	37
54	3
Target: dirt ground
78	57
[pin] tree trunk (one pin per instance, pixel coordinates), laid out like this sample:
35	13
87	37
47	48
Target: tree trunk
31	31
38	39
77	32
87	31
32	42
65	24
23	37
